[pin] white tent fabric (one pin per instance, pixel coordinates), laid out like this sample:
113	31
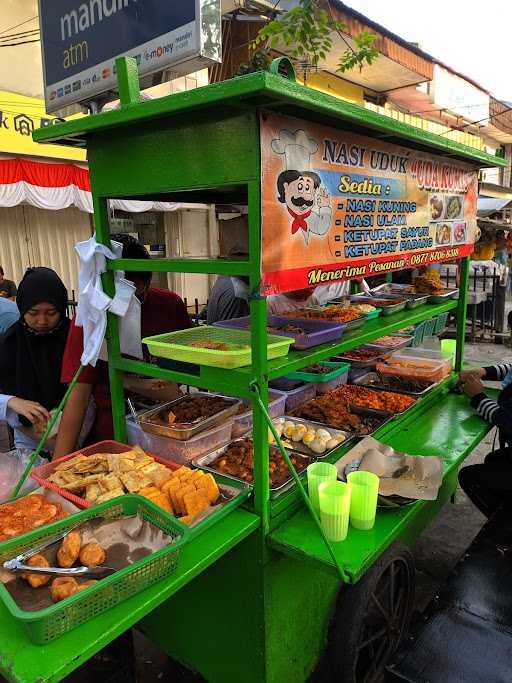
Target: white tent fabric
56	198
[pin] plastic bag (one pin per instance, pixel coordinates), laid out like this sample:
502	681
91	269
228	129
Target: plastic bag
12	465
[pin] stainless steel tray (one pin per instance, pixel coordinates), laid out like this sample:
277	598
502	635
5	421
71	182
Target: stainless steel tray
370	363
390	310
415	300
441	298
372	380
384	310
302	449
402	292
383	418
371	412
185	432
396	289
406	340
351	324
205	461
368	412
355	324
375	412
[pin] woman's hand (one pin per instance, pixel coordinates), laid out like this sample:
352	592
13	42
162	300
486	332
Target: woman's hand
33	411
473	386
473	373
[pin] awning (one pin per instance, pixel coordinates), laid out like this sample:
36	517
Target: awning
58	186
491	226
486	206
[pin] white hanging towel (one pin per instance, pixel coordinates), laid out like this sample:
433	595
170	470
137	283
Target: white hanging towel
93	303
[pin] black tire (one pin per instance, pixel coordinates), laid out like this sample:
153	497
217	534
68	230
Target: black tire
371	618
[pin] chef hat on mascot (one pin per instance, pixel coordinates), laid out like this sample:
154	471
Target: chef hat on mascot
296	148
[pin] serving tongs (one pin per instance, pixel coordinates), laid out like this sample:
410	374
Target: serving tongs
17	564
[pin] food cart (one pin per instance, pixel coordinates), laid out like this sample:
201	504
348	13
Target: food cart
259	595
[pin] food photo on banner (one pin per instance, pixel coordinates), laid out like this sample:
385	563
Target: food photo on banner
337	205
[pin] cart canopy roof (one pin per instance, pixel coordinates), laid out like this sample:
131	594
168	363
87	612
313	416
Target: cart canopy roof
264	90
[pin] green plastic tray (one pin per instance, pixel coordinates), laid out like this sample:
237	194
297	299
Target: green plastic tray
374	314
440	323
176	346
52	622
337	370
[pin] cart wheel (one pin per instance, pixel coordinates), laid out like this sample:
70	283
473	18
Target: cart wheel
371	618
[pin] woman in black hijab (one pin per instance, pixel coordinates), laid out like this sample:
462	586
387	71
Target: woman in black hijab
31	351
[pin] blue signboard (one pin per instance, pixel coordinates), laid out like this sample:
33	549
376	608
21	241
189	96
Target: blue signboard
81	40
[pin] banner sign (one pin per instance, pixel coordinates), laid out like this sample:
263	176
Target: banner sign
338	206
19	117
81	40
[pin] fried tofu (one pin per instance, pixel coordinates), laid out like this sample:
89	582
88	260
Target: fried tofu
180	506
209	486
195	502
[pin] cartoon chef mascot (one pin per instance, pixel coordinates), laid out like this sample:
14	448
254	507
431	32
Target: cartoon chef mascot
299	188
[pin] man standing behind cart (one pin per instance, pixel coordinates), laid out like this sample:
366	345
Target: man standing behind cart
7	287
161	311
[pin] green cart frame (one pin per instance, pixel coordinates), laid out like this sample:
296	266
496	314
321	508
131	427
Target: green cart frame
257	597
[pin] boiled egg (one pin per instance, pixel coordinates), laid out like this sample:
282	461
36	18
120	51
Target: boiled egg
318	446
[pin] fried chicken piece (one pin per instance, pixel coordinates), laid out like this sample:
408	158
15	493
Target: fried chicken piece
92	555
69	550
37	580
63	587
85	584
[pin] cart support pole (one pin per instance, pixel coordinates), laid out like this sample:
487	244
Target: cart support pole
48	430
302	491
461	312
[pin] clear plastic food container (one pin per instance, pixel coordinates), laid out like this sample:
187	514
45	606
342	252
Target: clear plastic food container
174	449
429	366
298	396
243	423
429	354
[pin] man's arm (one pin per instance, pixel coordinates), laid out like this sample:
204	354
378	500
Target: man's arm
72	419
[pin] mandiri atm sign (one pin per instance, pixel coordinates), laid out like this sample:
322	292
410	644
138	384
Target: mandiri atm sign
336	206
81	39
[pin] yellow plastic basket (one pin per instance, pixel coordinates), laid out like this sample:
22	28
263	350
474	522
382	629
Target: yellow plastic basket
177	346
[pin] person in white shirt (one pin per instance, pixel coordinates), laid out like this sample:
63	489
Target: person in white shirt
301	298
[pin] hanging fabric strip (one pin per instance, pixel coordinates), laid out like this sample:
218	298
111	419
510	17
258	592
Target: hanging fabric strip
58	186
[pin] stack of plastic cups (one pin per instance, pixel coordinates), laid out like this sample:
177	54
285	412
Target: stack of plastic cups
334	500
319	472
448	347
363	501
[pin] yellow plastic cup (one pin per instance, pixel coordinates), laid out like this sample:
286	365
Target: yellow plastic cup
319	472
363	500
334	500
448	347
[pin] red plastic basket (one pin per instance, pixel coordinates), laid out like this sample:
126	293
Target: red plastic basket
41	474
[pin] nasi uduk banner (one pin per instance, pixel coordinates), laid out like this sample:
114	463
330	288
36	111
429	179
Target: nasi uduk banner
337	206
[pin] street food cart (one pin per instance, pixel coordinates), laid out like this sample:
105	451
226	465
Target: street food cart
259	595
